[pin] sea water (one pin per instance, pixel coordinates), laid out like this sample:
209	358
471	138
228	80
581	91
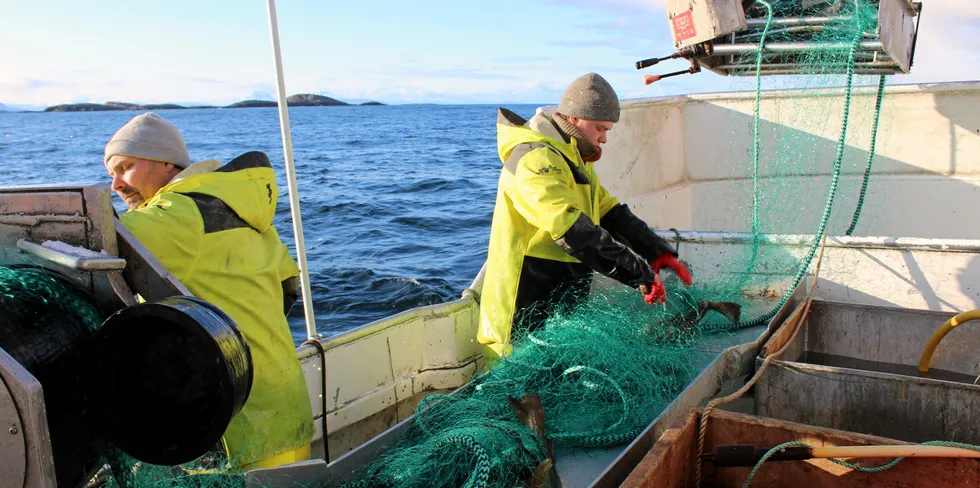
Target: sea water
396	200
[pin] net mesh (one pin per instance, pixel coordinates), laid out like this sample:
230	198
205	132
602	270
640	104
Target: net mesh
25	289
605	368
803	173
602	369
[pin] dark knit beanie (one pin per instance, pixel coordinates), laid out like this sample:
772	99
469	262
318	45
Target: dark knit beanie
590	97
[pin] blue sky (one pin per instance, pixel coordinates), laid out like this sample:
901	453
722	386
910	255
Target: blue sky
445	51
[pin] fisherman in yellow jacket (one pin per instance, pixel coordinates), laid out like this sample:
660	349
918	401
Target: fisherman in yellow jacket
211	226
554	223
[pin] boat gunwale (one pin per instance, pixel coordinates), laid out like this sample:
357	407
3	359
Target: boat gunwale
306	350
803	367
869	91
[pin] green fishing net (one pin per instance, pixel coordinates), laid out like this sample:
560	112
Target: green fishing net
797	161
46	324
26	289
606	368
601	377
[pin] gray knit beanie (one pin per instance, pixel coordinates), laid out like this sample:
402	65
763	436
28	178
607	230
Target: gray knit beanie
151	137
590	97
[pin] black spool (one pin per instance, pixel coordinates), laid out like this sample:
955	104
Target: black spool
170	376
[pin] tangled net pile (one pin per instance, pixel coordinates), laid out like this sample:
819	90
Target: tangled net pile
601	376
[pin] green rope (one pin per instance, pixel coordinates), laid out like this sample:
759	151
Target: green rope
835	178
755	126
595	435
612	439
768	455
481	473
959	445
357	484
756	143
871	157
868	469
893	462
864	469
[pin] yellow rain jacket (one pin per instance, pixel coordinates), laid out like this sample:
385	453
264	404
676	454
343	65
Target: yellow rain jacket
546	231
213	230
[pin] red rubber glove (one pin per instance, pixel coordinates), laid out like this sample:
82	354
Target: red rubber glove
670	261
658	292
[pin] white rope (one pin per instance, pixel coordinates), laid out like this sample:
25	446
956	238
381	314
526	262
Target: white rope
287	149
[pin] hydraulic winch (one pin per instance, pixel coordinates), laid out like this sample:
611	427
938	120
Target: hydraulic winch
728	36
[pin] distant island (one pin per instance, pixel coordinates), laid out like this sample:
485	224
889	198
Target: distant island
302	100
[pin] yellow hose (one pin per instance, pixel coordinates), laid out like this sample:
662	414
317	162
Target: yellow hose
941	332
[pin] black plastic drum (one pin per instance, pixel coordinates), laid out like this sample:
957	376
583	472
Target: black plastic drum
170	377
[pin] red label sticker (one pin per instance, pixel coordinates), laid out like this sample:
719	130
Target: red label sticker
684	26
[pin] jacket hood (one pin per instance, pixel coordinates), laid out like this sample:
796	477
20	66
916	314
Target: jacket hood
247	185
513	130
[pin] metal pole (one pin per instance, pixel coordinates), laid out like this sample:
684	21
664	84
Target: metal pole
476	287
287	149
741	71
787	21
802	240
881	67
793	47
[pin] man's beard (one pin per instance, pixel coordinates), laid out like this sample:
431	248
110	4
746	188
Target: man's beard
133	200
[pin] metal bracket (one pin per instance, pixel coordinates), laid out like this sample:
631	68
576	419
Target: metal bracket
25	451
71	257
